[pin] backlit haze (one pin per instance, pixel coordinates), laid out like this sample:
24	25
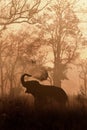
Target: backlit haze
71	86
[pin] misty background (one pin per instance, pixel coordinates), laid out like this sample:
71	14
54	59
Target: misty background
38	37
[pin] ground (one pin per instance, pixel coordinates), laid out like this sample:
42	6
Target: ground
16	114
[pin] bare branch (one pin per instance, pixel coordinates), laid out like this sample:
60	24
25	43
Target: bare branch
19	12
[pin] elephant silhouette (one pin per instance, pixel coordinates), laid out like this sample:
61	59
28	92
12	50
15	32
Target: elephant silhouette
43	93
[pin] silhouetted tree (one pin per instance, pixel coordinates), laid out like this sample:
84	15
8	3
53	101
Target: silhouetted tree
15	12
60	31
13	59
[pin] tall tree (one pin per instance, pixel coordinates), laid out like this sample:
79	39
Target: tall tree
15	12
60	29
13	59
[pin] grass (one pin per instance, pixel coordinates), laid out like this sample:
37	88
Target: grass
17	114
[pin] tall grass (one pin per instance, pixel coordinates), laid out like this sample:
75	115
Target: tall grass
19	113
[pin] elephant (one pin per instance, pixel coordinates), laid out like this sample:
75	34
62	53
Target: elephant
44	93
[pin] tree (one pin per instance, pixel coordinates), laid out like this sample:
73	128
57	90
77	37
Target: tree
15	12
19	11
3	50
83	76
60	30
14	60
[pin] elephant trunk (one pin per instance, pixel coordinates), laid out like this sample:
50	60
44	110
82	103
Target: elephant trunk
22	79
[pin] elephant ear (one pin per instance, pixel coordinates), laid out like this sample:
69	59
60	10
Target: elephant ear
40	73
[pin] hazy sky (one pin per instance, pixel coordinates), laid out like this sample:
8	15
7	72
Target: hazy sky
82	5
72	85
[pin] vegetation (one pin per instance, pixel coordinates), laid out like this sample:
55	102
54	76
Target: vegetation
23	49
17	113
83	76
28	32
60	31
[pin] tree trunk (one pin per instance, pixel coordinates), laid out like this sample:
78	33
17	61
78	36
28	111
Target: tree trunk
56	75
85	85
2	84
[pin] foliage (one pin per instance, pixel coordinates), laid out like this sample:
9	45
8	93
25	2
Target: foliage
17	113
19	11
14	59
83	76
55	29
59	29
